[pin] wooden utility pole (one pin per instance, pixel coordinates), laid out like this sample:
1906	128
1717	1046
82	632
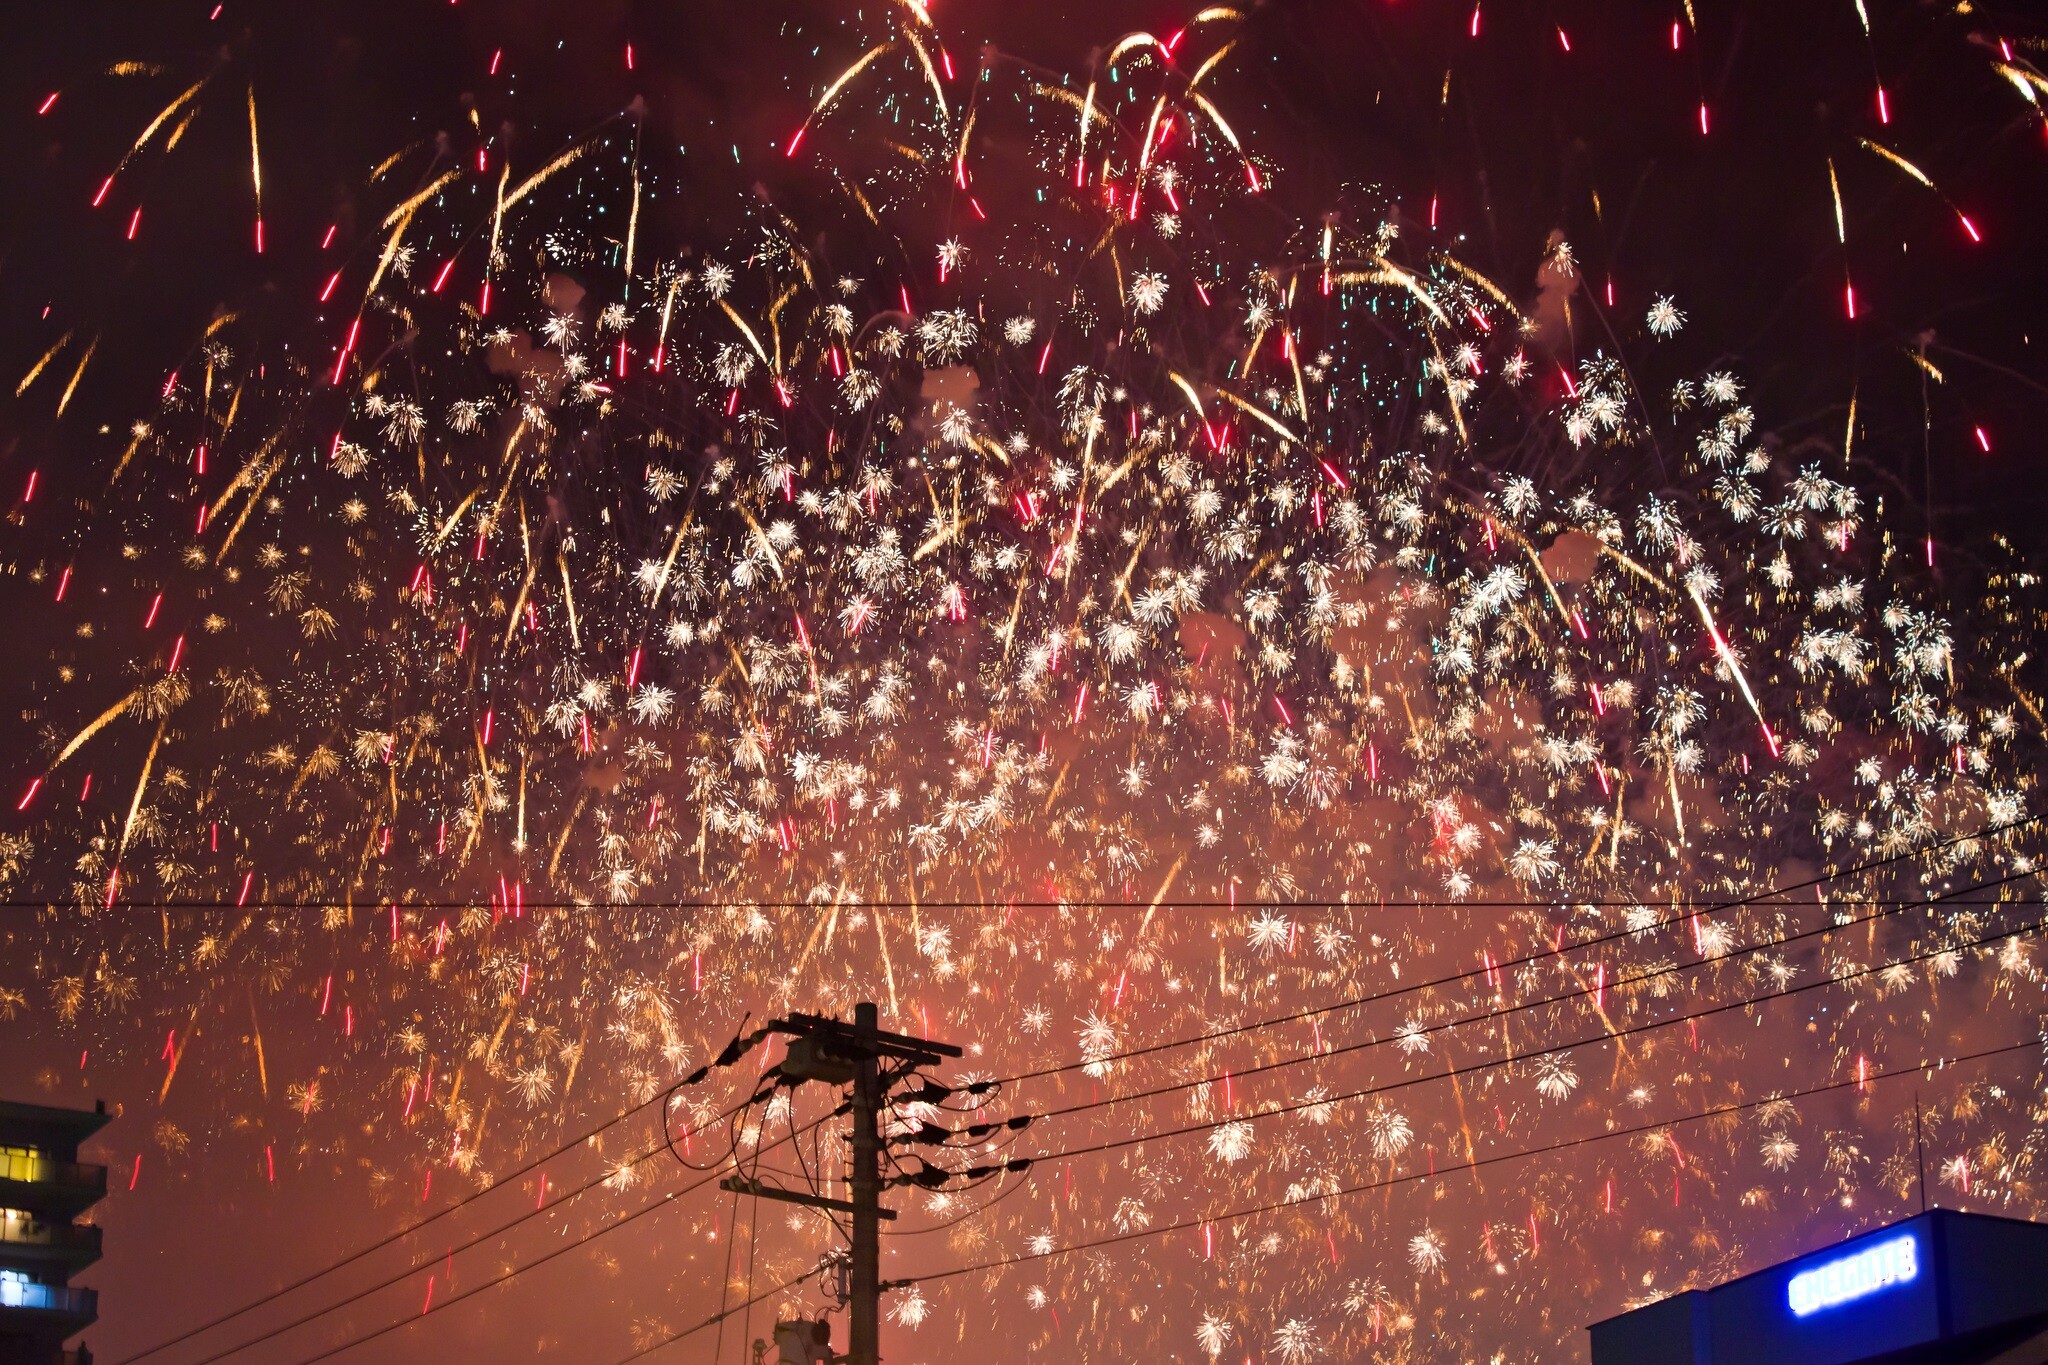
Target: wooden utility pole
864	1338
833	1052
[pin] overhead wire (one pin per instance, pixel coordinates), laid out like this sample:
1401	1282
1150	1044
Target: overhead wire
1505	1011
1474	1164
1232	903
1758	898
417	1266
1692	1016
732	1241
742	1045
1689	912
753	1244
255	905
1472	1068
975	1212
719	1317
501	1278
816	1185
725	1275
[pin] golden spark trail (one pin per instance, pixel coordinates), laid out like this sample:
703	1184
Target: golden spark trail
76	375
255	169
104	719
40	365
141	785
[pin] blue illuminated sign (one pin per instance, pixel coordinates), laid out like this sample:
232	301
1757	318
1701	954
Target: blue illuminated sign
1854	1276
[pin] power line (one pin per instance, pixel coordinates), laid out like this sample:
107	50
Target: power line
742	1046
1758	897
1863	1080
1724	1007
1721	1008
1472	1165
792	1136
721	1316
563	1250
725	1273
474	1241
974	1212
1505	1011
417	1266
257	905
1114	1144
737	903
753	1245
1710	908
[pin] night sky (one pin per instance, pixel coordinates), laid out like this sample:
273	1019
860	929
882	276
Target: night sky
255	1143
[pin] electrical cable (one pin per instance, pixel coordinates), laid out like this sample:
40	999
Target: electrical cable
252	906
1472	1165
1525	960
1295	1017
502	1278
668	1136
1232	904
951	1222
815	1183
725	1278
720	1316
1501	1012
738	1048
1472	1068
732	1244
753	1242
430	1261
1423	903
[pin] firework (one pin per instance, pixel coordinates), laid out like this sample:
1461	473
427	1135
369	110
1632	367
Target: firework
1085	614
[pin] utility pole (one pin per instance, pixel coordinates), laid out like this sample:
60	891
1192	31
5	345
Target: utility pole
864	1337
833	1052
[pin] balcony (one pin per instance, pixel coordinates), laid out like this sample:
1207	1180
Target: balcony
41	1170
67	1300
40	1240
58	1190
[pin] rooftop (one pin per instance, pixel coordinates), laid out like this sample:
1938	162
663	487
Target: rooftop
80	1123
1940	1281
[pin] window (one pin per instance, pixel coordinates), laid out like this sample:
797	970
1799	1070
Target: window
23	1163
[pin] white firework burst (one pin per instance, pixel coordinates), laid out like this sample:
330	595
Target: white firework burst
1231	1142
1665	318
1148	292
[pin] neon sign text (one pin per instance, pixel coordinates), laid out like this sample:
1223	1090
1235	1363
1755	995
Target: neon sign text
1854	1276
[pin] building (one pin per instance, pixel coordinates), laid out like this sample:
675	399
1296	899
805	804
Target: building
43	1189
1942	1287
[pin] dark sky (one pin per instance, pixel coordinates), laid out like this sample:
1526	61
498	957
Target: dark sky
1523	139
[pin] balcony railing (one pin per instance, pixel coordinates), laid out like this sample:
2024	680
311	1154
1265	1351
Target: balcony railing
41	1170
57	1236
55	1298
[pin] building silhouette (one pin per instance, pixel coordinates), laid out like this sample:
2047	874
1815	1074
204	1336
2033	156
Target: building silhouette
43	1190
1940	1288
